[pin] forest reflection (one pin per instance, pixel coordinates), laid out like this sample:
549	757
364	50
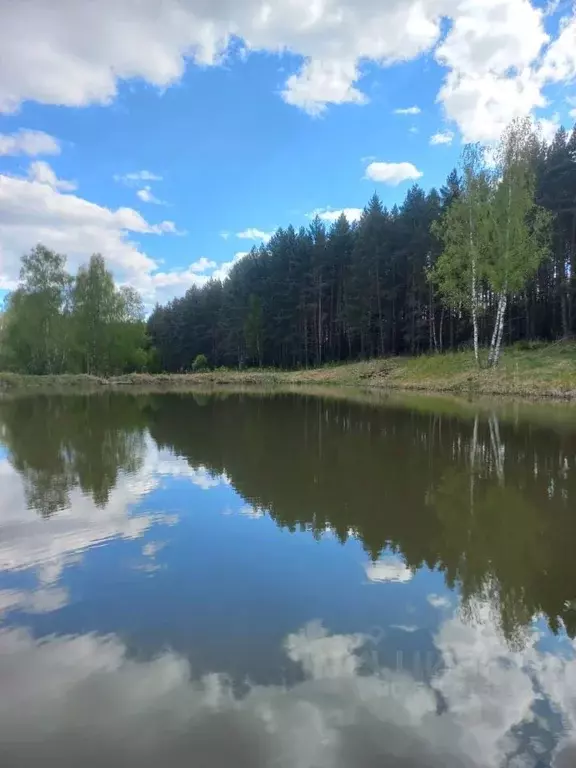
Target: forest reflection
485	500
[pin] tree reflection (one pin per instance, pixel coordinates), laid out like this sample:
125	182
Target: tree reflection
58	443
485	502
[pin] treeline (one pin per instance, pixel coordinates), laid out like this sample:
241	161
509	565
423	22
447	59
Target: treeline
494	248
58	323
488	259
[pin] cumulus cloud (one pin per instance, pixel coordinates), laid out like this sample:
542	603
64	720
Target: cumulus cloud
443	137
331	215
496	53
145	194
223	270
495	68
252	233
202	265
547	127
332	38
392	173
41	172
559	61
26	142
319	83
408	111
36	209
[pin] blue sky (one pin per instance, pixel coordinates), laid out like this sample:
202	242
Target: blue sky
248	116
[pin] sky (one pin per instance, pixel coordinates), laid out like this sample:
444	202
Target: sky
173	135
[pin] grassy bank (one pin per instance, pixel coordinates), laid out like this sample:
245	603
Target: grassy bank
540	371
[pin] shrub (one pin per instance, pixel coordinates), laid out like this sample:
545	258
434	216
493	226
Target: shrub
200	364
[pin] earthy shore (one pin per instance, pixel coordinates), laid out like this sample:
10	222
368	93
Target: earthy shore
545	371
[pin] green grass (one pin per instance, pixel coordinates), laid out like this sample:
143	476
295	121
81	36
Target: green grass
534	370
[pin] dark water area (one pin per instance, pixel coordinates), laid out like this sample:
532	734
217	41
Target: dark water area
285	581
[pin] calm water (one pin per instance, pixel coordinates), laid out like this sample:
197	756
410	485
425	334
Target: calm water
188	580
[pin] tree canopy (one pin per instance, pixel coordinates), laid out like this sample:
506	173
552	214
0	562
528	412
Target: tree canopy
489	258
55	323
494	248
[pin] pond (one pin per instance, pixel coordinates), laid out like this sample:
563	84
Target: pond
286	580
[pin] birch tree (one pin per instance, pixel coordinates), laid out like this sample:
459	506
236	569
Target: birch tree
464	232
519	229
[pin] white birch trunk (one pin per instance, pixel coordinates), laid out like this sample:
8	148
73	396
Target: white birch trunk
475	311
495	332
500	331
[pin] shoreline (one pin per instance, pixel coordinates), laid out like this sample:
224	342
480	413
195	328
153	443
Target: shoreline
543	374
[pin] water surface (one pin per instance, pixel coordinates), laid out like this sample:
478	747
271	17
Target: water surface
196	580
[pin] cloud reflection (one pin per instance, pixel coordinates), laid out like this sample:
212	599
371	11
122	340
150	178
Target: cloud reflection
388	569
47	545
83	700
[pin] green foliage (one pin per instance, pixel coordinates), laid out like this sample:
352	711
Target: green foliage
463	230
200	364
54	323
35	333
519	232
399	281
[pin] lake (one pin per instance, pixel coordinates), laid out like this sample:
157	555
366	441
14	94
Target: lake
286	580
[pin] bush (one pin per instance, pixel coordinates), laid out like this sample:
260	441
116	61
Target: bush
200	364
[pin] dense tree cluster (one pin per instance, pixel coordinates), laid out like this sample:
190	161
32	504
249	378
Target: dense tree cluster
56	323
489	259
318	294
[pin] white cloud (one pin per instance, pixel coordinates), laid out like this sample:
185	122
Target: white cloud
224	269
41	172
136	177
443	137
252	233
388	569
202	265
145	194
85	65
548	127
483	105
408	111
35	210
319	83
26	142
332	215
559	61
392	173
494	51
